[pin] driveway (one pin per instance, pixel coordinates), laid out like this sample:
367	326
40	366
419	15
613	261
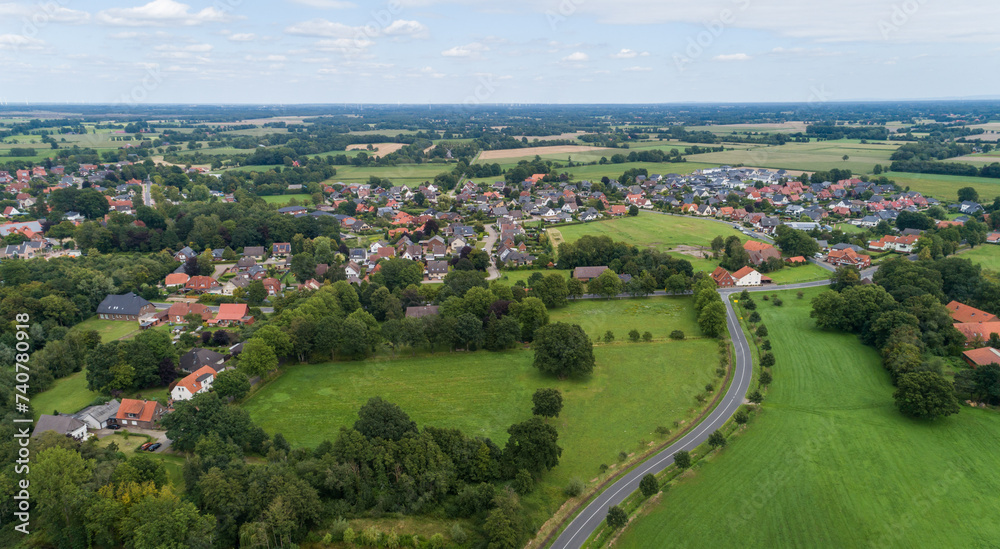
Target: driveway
158	436
491	241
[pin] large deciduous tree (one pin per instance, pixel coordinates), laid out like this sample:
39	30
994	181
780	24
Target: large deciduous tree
563	350
925	395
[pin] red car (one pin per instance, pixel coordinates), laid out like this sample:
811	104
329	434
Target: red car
147	445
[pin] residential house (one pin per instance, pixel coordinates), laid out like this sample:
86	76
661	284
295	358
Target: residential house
185	254
64	425
352	269
977	332
232	314
124	307
281	249
437	270
176	279
747	276
199	381
272	285
178	311
201	284
585	274
902	244
197	358
981	357
245	263
98	416
143	414
256	252
239	281
723	278
849	258
760	252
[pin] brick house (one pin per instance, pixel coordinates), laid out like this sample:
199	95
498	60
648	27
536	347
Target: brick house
143	414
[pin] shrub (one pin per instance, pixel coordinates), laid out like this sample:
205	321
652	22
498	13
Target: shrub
762	331
741	417
458	534
603	467
349	536
767	359
777	302
338	528
766	345
609	336
622	456
647	336
573	489
754	317
800	295
709	388
649	485
677	334
661	430
720	372
369	537
755	397
766	298
437	541
717	439
682	459
634	335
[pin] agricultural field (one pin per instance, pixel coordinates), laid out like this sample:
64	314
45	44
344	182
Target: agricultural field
410	175
831	463
596	172
653	230
724	129
945	187
814	156
633	390
382	149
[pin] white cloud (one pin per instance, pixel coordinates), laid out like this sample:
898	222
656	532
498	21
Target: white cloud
196	48
161	13
42	13
124	35
19	42
638	69
242	37
626	54
475	49
324	29
401	27
732	57
344	45
576	57
325	4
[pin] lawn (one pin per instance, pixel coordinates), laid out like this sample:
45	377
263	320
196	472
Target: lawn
945	187
110	330
283	199
648	229
596	172
987	255
510	277
849	229
813	156
831	463
174	464
411	175
659	315
635	388
795	275
68	395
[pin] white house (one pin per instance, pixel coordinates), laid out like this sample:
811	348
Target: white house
747	277
199	381
64	425
96	417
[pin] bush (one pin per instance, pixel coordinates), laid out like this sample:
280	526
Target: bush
709	388
777	302
800	295
622	456
609	336
755	397
369	537
647	336
682	459
661	430
634	335
677	334
766	298
349	536
649	485
717	439
766	345
338	528
573	489
458	534
603	467
762	331
767	359
754	317
720	372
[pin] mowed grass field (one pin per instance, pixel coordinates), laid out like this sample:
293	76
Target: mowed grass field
794	275
987	255
813	156
658	315
653	230
282	199
68	395
945	187
635	388
831	463
110	330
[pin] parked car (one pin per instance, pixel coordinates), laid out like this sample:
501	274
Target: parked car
114	426
153	447
145	446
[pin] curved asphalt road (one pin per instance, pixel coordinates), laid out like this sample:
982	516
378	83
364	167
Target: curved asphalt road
590	518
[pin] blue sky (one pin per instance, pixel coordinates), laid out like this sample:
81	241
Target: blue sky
511	51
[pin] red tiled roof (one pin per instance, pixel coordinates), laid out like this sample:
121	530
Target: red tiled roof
962	313
232	311
743	272
982	357
143	408
191	380
753	245
982	330
174	279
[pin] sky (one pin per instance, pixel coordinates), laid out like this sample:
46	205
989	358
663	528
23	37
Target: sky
489	51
